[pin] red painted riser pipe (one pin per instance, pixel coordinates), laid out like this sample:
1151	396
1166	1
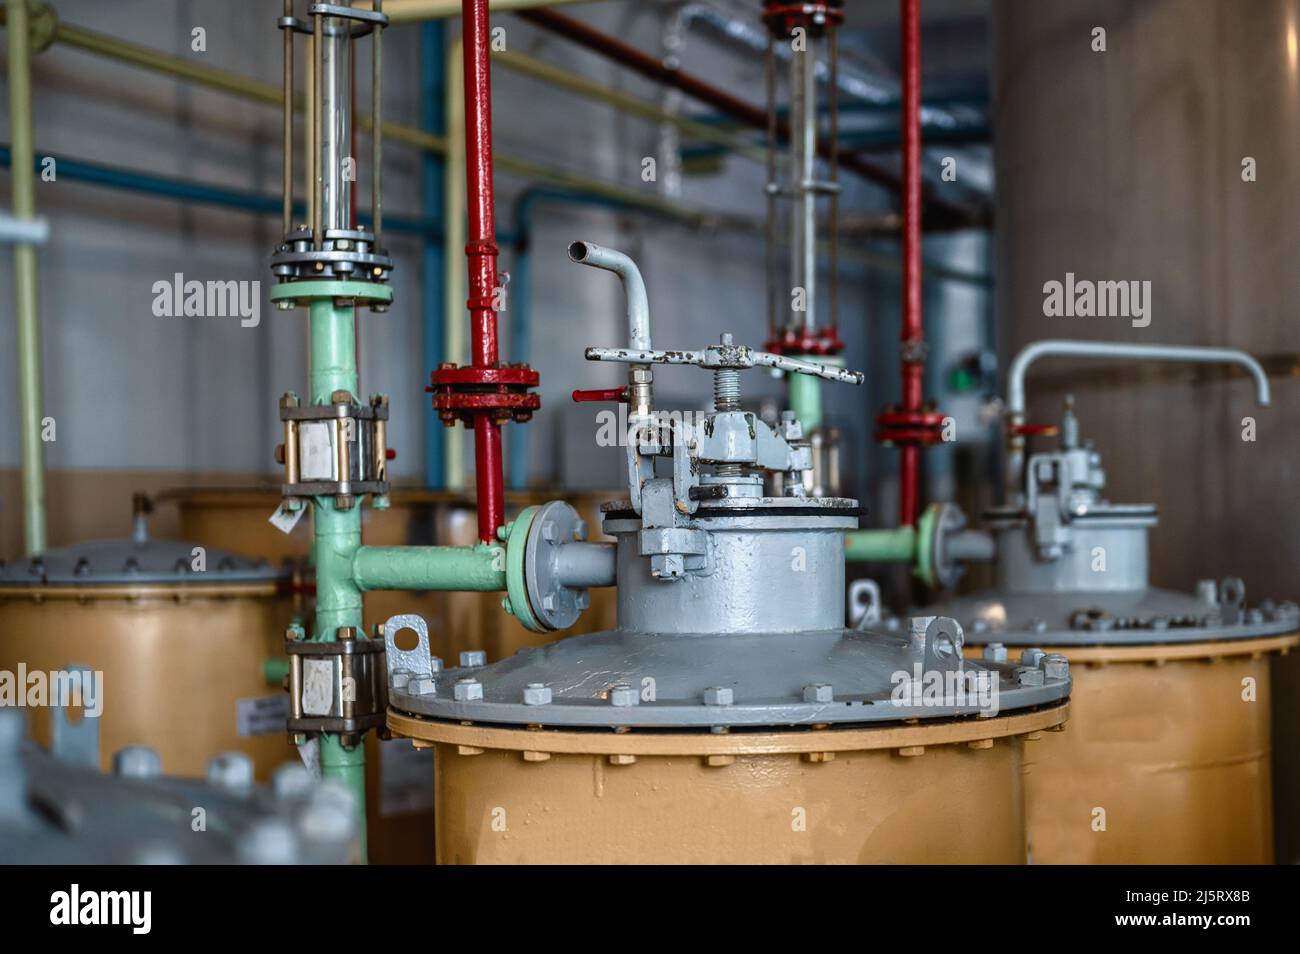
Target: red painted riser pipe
913	333
481	257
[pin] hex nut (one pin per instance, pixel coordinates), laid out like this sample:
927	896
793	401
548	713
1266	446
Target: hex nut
473	658
400	678
269	841
667	566
1055	666
1031	657
537	694
995	652
292	780
468	690
422	686
718	696
232	771
818	692
137	761
1030	677
622	695
330	813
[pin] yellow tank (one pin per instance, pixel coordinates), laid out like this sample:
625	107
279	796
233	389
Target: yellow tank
181	639
729	718
1166	761
913	794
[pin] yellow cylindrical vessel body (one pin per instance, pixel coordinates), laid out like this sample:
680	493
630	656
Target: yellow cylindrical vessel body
177	663
947	793
1166	760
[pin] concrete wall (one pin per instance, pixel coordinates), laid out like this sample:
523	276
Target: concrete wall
1126	165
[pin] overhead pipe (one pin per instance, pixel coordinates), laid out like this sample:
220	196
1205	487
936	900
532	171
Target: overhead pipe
626	55
26	288
226	81
201	193
413	11
720	139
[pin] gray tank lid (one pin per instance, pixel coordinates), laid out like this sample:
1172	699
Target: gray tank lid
1120	617
620	679
132	562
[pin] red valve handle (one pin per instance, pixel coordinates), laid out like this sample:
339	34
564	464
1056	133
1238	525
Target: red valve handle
390	453
601	394
1035	430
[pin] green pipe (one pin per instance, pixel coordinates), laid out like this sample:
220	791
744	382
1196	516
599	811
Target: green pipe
26	306
349	767
275	670
897	545
806	399
337	531
480	568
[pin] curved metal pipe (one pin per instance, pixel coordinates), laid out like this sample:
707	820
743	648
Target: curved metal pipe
1056	347
638	303
1060	347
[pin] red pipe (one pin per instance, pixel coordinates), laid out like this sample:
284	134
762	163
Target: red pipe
628	56
913	333
481	258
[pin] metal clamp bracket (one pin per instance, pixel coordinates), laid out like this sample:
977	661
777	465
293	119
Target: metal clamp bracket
338	449
336	686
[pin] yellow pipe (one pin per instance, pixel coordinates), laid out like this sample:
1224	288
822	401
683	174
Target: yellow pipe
454	269
581	86
26	301
215	78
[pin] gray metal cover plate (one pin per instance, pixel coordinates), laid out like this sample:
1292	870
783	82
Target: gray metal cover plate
1044	619
767	675
128	562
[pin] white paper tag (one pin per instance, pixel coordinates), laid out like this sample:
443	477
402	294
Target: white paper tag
309	752
285	519
317	687
262	715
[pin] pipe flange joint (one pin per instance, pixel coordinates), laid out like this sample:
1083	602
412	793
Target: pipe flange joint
516	602
555	604
43	24
934	565
292	293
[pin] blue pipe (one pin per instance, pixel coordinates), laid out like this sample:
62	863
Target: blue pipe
433	119
187	190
